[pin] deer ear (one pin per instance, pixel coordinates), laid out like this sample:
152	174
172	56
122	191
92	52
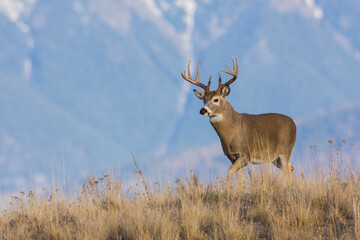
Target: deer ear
199	94
225	90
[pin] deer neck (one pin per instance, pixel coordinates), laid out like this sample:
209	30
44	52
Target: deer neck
224	121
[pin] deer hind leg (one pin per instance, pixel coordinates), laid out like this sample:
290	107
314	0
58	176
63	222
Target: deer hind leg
238	164
283	163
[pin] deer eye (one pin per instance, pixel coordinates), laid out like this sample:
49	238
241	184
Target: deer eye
216	100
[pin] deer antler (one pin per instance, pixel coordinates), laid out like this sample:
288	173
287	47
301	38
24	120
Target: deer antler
196	81
234	73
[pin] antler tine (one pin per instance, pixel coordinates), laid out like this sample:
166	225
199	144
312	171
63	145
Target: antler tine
220	84
234	73
209	83
196	81
189	72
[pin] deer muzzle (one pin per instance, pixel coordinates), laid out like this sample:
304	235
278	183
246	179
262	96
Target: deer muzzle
205	111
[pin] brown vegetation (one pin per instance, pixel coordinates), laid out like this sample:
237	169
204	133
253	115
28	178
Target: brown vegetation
266	206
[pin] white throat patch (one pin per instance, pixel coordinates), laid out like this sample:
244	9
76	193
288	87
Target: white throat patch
216	118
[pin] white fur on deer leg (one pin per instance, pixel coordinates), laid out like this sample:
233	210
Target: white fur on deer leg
216	118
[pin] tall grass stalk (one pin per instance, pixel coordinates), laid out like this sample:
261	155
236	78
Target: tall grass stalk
267	206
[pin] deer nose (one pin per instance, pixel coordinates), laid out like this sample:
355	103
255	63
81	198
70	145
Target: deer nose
203	111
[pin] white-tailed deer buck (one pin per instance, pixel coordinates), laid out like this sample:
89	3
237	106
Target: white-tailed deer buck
245	138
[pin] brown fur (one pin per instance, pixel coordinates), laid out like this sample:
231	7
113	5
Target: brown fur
245	138
266	137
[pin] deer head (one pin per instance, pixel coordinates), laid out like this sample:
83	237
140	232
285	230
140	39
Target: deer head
214	101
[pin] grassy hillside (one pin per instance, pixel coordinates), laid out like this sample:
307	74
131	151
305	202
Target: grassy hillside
325	205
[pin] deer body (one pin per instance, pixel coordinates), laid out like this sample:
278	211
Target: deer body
249	135
246	138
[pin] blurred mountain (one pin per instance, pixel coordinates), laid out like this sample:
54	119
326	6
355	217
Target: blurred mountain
85	83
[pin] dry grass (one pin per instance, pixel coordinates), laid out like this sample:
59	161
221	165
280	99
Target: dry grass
267	206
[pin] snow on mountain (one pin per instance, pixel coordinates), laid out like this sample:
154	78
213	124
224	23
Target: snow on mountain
307	8
89	82
16	10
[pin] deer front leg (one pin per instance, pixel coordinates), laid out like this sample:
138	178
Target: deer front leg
240	162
